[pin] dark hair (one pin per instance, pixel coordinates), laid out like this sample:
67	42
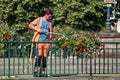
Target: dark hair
48	11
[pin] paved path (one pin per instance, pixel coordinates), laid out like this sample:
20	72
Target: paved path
62	78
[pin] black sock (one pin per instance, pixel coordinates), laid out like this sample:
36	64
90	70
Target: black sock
38	61
44	61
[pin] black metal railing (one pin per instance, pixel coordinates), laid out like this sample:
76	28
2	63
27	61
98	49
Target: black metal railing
15	56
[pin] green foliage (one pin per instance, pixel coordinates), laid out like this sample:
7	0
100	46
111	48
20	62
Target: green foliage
83	43
4	29
76	13
117	8
79	14
82	14
18	13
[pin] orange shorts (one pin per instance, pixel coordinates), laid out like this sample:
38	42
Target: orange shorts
43	49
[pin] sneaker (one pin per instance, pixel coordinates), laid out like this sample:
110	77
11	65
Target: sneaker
40	74
35	74
44	74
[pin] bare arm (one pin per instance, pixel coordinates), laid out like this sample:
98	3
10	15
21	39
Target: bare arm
33	25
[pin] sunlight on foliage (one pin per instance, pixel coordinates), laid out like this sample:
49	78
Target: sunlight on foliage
83	43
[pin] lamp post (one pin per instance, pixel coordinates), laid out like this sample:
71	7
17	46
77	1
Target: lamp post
108	24
109	5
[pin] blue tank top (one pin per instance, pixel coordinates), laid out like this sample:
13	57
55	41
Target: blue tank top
44	35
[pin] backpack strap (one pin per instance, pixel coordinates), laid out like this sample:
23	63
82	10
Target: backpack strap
36	34
39	22
50	35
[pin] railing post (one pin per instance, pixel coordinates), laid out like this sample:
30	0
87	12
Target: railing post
50	62
116	57
8	59
90	66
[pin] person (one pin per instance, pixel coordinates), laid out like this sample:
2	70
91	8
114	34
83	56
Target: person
42	26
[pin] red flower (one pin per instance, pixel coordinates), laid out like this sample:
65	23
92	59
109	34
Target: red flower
6	37
91	34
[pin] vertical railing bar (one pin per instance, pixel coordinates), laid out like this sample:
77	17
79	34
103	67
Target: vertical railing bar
77	65
18	59
86	63
13	64
47	60
32	57
99	64
95	64
4	62
90	66
23	56
60	63
82	64
55	60
116	57
112	60
64	64
27	58
50	63
108	62
73	64
48	71
9	59
32	64
4	65
104	61
69	64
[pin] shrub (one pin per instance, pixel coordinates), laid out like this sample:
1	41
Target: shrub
82	43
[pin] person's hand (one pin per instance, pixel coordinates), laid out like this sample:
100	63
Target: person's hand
39	31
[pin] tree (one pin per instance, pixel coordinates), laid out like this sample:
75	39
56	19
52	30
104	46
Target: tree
18	13
82	14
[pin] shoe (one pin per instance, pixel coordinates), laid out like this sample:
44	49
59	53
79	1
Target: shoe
45	75
40	74
35	74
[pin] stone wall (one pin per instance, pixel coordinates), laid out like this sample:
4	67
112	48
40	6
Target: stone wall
111	37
